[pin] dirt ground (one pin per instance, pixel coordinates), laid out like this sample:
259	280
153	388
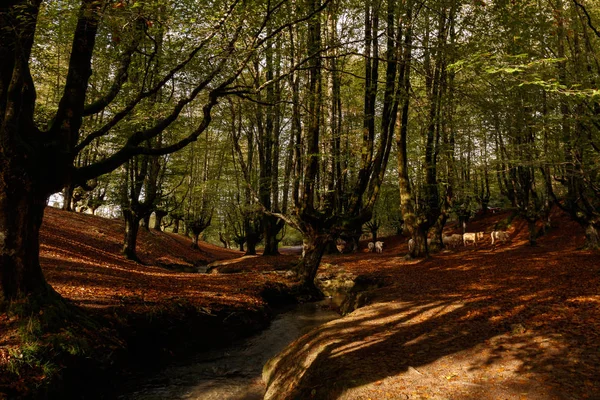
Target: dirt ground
505	322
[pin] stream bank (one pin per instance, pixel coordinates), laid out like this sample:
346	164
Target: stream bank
162	333
232	372
146	340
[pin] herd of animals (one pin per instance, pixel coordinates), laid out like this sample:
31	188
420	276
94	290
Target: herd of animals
467	238
343	246
451	241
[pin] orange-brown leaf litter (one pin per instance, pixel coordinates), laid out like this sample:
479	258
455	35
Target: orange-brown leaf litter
80	255
485	322
81	258
488	322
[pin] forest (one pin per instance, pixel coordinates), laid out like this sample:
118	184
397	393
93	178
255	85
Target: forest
264	125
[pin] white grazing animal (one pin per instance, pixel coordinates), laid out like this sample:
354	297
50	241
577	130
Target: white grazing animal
379	247
499	235
470	237
411	245
446	240
371	246
453	240
457	239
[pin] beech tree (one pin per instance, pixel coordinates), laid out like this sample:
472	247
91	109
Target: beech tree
214	44
423	207
333	195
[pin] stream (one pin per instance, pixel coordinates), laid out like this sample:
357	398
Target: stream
232	372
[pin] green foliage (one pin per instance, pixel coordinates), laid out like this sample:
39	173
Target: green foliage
48	330
506	223
293	237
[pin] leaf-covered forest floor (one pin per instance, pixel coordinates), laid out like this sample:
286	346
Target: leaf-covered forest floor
81	258
504	322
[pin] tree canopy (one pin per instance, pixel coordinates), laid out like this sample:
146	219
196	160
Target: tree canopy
248	118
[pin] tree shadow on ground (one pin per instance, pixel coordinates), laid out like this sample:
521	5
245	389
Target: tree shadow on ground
480	324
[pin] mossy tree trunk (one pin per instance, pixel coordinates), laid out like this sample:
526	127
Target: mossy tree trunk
313	247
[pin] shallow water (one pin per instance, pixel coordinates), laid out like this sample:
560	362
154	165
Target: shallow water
233	372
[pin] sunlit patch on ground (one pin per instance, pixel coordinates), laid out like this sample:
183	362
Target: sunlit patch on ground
504	322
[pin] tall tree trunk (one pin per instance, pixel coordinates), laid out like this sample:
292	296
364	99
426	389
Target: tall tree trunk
419	236
68	197
132	226
438	229
251	243
314	243
24	175
271	230
532	232
158	217
252	229
407	207
21	213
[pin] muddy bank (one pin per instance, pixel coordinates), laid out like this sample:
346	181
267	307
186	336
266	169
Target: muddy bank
154	340
234	371
153	343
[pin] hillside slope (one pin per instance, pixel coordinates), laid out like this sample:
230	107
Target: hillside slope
125	312
486	323
81	258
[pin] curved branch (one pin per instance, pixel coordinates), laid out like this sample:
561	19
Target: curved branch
118	117
589	18
130	150
120	77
